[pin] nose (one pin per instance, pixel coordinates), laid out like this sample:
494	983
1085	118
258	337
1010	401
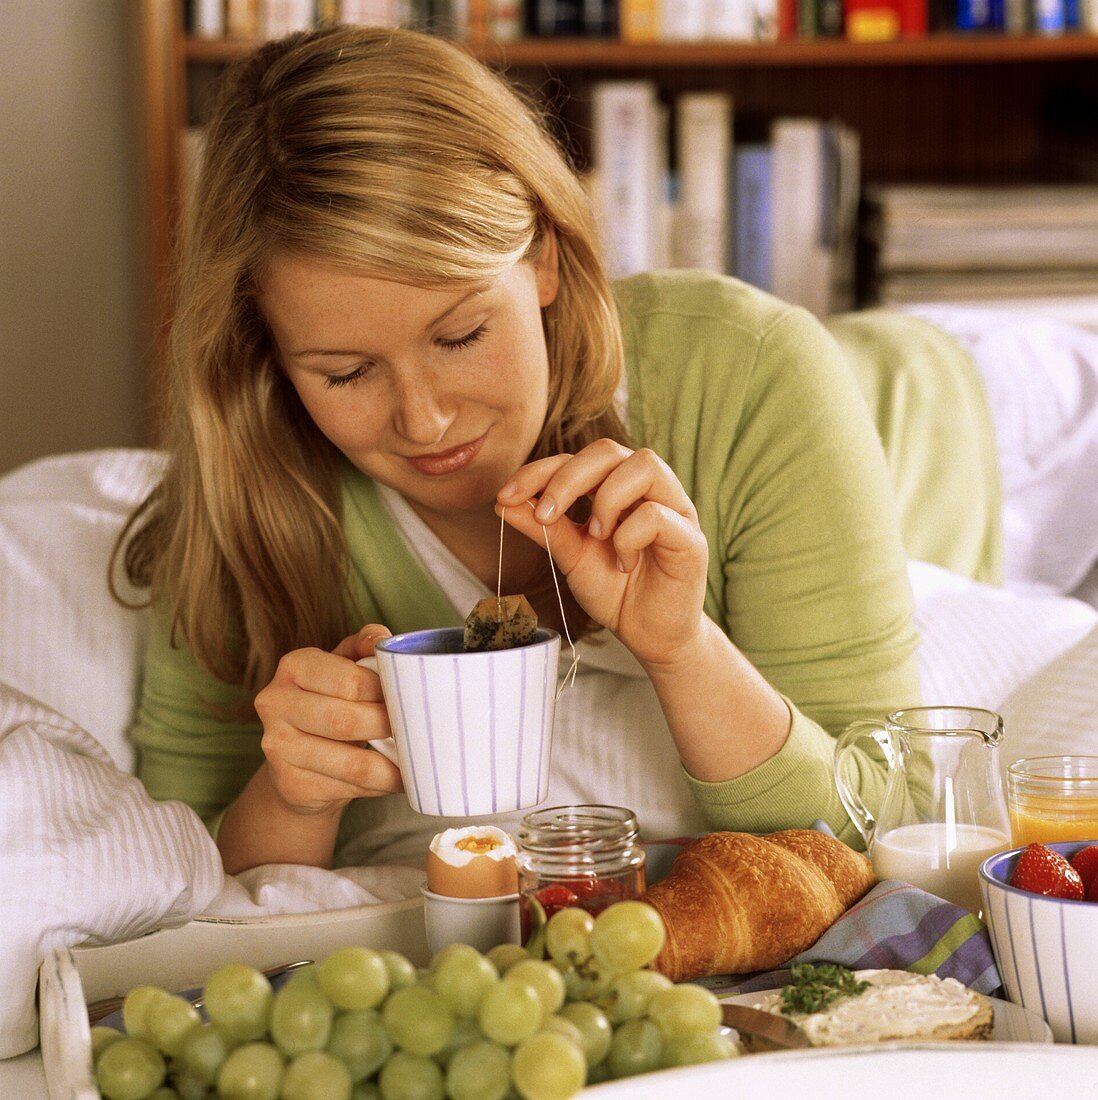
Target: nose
421	413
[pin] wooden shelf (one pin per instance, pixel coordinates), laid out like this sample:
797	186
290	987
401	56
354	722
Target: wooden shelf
604	54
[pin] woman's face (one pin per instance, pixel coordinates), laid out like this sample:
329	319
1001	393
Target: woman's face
439	394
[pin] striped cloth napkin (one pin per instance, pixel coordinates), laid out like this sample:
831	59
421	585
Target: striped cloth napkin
896	926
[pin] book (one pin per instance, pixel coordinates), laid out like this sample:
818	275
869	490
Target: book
742	20
371	13
281	17
627	158
800	268
1030	228
242	18
683	20
639	20
504	20
872	20
600	18
554	17
208	18
752	165
704	153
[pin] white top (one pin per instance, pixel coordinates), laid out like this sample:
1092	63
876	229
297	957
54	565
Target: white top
611	743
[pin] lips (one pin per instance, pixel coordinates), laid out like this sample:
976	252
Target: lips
448	462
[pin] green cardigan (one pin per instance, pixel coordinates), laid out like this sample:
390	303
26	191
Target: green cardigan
756	408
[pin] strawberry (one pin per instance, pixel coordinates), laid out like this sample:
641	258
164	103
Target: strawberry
1092	893
1040	870
1085	861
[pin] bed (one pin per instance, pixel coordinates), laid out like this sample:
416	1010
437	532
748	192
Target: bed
70	656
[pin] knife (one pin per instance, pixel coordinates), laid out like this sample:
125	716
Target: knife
760	1030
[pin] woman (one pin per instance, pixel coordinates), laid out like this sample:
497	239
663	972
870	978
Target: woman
392	327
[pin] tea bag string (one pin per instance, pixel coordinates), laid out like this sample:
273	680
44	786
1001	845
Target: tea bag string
570	675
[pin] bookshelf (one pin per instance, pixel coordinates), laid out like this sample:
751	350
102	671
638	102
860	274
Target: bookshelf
959	108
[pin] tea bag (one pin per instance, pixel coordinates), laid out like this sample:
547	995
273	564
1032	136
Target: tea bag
500	622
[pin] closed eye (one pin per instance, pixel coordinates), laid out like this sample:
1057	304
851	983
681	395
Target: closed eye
464	341
334	381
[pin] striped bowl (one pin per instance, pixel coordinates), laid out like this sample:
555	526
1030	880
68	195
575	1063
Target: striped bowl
1046	948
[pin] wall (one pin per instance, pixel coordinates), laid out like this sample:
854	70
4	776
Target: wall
70	228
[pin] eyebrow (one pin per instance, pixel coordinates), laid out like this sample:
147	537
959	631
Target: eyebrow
432	324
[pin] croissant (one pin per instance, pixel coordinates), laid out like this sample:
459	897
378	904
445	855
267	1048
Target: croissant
734	903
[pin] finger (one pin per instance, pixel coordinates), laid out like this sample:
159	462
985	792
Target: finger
333	718
338	770
579	476
528	481
327	674
654	526
362	644
643	476
565	542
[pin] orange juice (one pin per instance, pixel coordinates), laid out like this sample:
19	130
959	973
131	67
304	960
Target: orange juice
1045	819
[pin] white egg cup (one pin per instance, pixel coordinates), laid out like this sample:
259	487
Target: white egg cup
480	922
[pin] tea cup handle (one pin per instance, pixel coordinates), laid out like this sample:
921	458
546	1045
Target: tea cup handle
857	810
384	745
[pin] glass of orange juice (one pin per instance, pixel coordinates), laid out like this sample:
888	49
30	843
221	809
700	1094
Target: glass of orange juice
1053	798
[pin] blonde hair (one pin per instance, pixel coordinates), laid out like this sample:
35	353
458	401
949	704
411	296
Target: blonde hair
391	152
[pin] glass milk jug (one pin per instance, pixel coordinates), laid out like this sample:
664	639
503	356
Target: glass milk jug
943	810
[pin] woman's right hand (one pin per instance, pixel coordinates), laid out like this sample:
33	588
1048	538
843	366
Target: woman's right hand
318	713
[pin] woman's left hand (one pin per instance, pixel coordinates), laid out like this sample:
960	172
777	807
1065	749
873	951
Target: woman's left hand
639	565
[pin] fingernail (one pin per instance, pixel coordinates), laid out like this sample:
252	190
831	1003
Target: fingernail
594	528
508	490
545	509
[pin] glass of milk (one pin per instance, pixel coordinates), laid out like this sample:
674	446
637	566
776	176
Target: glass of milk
932	777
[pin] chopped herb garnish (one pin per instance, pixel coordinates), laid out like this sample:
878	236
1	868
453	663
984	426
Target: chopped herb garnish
817	985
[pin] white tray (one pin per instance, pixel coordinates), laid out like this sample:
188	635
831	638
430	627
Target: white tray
182	958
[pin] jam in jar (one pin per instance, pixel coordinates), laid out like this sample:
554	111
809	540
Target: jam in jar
585	856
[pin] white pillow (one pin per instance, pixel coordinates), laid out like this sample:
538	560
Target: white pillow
63	639
1040	375
979	642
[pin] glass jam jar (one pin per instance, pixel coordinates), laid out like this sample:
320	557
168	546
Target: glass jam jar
585	856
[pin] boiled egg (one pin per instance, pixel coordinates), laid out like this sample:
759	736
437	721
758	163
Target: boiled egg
477	861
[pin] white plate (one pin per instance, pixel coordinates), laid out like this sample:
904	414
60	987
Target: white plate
1011	1024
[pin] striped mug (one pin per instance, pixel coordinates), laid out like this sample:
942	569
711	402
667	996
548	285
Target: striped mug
472	731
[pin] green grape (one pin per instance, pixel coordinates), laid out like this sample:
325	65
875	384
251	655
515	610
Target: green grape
594	1029
480	1070
546	980
418	1020
410	1077
129	1070
354	977
168	1021
360	1041
301	1017
504	955
102	1037
568	935
238	1001
697	1047
627	935
683	1009
366	1090
585	981
560	1025
548	1067
630	994
189	1087
597	1074
637	1047
252	1072
465	1031
401	972
316	1076
202	1052
164	1093
510	1012
135	1010
450	950
461	980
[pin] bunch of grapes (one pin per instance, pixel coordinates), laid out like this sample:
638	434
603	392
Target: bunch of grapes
576	1006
